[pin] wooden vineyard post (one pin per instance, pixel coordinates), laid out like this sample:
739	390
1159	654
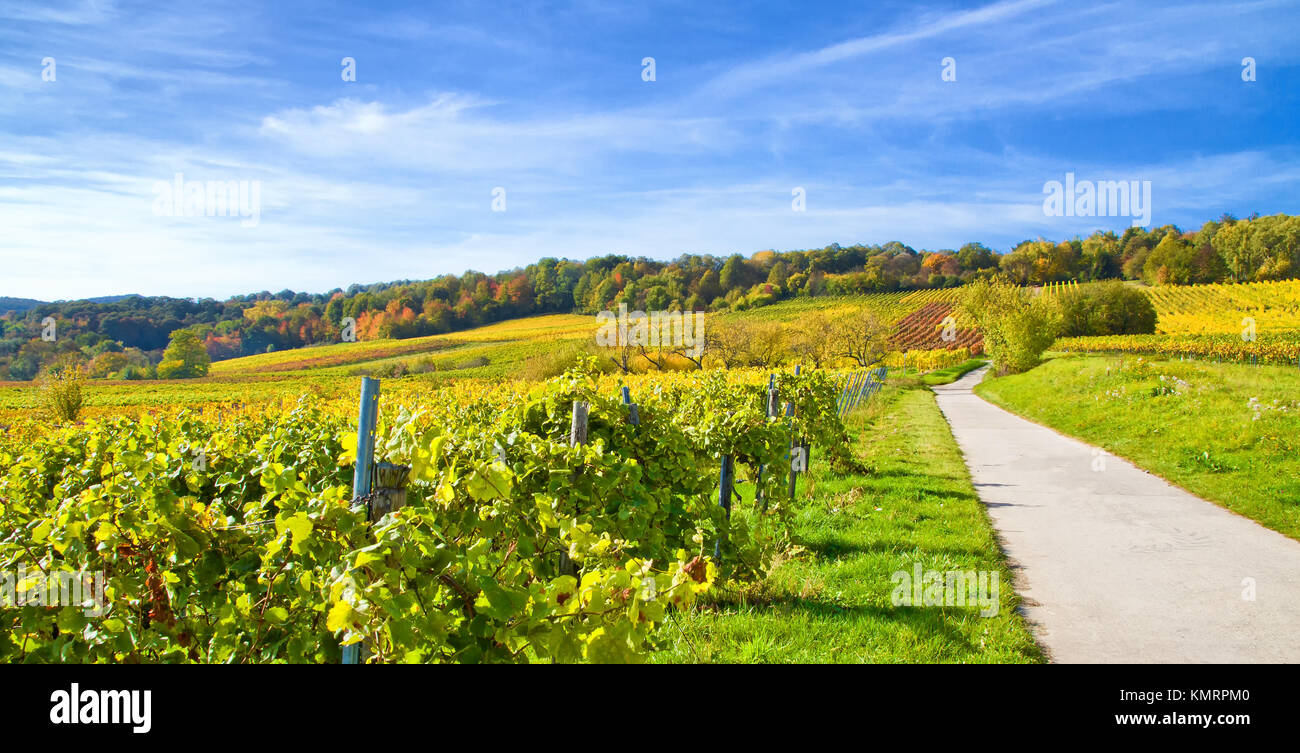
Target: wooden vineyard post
798	460
633	416
772	408
578	427
789	413
361	475
577	436
725	481
388	489
794	443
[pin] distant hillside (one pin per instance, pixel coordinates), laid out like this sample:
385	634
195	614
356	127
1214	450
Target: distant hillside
25	304
18	304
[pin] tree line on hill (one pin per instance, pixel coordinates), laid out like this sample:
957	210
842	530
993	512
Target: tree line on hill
125	338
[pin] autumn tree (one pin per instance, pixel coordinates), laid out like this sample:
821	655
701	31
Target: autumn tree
862	337
766	346
622	355
728	342
185	357
813	340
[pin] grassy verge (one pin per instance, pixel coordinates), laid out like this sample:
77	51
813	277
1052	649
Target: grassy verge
953	373
1193	423
832	603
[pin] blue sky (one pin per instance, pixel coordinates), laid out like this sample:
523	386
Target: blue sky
391	176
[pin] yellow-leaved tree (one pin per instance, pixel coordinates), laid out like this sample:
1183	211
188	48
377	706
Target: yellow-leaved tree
185	357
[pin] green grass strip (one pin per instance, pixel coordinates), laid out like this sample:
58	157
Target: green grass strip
832	601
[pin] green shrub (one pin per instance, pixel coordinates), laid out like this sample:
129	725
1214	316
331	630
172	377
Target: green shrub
394	370
60	391
424	365
1106	308
136	372
563	356
472	363
1017	325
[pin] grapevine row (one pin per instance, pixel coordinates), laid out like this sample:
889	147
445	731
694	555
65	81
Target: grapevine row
259	553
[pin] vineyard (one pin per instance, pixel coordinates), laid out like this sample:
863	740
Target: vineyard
329	358
916	318
923	329
480	357
1253	323
1201	321
1220	309
234	536
1282	349
888	307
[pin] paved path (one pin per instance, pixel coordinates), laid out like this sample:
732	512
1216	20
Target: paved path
1116	565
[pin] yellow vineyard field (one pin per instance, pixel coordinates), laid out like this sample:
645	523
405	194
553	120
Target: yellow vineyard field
1223	309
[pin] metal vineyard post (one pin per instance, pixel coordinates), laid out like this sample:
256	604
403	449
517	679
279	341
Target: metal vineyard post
361	475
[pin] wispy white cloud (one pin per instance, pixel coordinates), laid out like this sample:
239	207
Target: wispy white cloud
458	133
78	13
755	74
